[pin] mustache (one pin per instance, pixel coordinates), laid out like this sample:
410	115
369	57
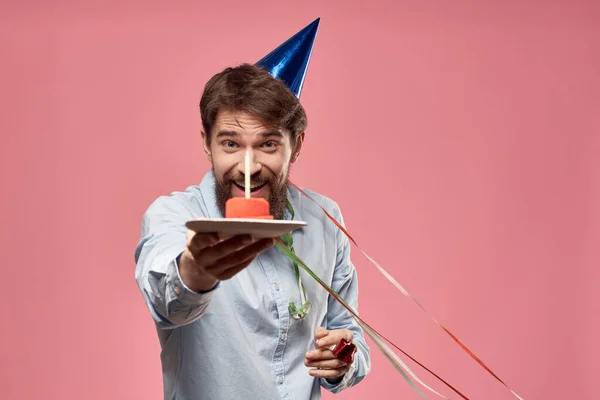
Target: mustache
240	179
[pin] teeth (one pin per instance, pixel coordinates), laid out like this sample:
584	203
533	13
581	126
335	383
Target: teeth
252	186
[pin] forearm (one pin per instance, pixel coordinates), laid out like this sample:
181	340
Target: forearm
170	301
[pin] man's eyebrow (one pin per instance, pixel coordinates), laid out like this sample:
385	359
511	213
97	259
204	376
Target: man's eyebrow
269	134
234	134
231	134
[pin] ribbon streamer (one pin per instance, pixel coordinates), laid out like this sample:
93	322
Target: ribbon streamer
391	279
372	333
305	307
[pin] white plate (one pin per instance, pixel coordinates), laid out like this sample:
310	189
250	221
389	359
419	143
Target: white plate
258	228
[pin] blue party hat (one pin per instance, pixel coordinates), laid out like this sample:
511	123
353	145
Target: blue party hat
289	61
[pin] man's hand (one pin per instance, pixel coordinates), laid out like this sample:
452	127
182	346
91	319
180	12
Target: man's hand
322	359
209	259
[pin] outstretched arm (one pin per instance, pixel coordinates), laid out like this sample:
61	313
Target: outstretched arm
163	239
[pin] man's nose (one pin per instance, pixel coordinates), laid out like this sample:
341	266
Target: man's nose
254	166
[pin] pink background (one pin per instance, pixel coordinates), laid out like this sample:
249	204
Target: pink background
461	140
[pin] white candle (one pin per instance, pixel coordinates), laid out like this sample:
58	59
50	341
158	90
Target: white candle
247	174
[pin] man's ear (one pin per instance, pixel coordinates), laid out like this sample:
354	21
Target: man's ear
206	146
298	147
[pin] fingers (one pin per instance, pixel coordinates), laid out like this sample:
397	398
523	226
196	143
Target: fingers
320	354
245	253
210	254
320	332
231	272
196	242
332	338
329	373
228	266
325	364
222	259
211	257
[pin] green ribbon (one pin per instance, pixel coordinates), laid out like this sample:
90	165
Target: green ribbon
288	240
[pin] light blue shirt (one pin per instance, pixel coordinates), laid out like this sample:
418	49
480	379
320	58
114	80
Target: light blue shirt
239	341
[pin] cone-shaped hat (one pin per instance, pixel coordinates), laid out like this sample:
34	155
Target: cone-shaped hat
289	61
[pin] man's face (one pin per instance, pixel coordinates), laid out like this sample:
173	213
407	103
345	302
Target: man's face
270	152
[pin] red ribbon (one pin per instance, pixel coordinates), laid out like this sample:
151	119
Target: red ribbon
454	337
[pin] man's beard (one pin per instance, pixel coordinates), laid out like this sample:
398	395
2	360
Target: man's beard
277	191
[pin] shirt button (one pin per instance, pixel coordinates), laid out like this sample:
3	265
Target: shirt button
282	337
277	287
177	290
280	380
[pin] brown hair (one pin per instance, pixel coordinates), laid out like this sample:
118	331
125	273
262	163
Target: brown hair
252	89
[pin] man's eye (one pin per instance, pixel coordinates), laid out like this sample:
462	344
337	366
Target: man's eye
270	145
230	144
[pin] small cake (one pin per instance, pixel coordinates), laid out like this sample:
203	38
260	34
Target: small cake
253	207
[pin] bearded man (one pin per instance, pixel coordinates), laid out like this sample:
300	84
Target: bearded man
233	318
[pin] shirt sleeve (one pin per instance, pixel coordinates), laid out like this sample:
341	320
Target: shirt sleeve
345	283
162	240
